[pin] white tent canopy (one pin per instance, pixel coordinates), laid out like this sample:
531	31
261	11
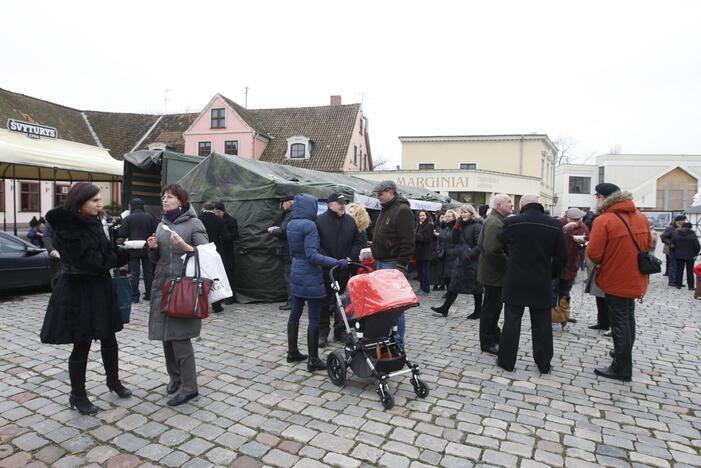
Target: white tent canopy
54	159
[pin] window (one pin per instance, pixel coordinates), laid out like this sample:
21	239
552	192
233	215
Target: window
2	195
426	166
468	165
355	155
204	148
297	151
231	147
542	168
218	118
10	246
29	196
580	185
602	170
60	194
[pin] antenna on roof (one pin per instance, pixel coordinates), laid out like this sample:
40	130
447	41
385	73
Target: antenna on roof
165	100
246	103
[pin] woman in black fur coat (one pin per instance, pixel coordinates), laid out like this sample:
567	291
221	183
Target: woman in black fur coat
83	306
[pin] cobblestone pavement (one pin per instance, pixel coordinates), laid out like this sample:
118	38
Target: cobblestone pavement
257	410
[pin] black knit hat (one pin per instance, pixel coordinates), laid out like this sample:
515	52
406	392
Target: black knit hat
606	189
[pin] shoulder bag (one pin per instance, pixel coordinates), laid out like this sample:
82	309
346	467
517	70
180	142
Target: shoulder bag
186	296
648	264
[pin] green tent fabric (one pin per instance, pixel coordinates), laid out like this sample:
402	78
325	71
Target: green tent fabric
251	191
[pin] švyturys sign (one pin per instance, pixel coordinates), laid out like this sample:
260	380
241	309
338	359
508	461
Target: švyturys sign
30	129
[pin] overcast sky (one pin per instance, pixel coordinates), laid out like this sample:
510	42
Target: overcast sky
601	73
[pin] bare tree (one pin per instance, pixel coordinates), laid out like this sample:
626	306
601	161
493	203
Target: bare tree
381	162
616	148
565	145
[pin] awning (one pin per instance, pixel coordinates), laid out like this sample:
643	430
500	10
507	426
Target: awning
54	159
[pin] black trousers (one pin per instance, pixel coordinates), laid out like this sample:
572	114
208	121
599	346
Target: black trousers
541	333
602	313
622	315
689	264
328	305
489	317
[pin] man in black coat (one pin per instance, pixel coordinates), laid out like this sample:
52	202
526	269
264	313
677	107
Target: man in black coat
230	235
537	254
214	226
340	239
283	250
139	225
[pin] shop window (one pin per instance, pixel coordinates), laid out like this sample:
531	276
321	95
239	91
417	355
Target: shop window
426	166
580	185
204	148
60	194
29	196
468	165
218	118
231	147
2	195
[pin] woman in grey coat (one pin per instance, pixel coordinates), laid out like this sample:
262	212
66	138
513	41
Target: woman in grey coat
166	247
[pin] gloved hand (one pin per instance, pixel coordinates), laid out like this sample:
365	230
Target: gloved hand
342	263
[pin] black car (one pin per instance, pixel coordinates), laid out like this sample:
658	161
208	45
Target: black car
22	264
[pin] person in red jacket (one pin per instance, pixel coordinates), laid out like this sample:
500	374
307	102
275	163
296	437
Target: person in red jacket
612	248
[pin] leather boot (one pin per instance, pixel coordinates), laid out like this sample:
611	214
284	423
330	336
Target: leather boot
478	307
78	398
110	359
450	297
293	354
314	363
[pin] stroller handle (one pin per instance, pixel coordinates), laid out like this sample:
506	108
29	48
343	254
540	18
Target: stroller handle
350	264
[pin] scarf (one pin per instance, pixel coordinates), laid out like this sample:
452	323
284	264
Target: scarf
172	215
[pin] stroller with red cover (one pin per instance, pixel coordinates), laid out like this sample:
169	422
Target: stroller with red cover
370	308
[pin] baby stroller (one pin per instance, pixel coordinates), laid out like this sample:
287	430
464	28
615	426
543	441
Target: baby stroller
370	309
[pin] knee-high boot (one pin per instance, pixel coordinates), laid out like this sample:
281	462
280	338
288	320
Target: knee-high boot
79	398
314	363
110	359
478	307
450	297
293	354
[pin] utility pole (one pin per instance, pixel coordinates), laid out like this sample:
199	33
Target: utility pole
246	104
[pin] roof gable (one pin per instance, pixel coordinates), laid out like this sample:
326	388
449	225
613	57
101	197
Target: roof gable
119	132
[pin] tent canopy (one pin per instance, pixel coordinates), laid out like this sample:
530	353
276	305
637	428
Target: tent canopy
48	159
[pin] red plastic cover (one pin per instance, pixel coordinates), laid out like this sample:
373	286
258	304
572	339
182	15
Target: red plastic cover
379	291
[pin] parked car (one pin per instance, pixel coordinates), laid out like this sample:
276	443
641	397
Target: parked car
22	264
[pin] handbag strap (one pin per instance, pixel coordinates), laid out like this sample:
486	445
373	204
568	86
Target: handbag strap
629	231
189	255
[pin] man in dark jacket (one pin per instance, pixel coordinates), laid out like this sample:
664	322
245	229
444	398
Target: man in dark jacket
393	240
287	203
671	264
339	239
139	225
216	232
490	272
685	245
537	254
230	235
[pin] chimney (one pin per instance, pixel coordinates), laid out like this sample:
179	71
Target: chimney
335	100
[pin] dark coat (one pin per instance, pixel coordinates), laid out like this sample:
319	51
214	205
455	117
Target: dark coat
306	277
83	305
216	231
169	263
230	234
449	248
685	244
339	236
537	254
393	239
423	248
463	276
139	225
284	249
492	264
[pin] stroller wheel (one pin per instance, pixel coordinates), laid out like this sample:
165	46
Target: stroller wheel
420	387
388	401
336	368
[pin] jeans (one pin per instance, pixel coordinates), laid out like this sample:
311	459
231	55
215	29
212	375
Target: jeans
134	267
672	269
401	324
314	306
424	269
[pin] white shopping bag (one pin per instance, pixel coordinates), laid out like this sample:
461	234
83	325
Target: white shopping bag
211	267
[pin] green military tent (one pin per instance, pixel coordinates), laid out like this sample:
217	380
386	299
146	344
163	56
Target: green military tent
251	191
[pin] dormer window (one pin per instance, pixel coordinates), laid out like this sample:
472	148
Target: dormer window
218	118
299	147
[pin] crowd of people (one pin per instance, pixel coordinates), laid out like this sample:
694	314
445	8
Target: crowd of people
504	261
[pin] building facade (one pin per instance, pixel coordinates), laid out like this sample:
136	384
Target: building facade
658	182
472	168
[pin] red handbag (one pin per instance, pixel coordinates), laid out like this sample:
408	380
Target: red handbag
186	296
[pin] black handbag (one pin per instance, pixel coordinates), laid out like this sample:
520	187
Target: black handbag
648	264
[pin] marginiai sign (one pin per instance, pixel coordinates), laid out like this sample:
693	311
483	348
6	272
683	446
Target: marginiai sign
30	129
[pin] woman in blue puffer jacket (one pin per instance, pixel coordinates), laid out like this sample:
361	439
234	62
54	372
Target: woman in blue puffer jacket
306	279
